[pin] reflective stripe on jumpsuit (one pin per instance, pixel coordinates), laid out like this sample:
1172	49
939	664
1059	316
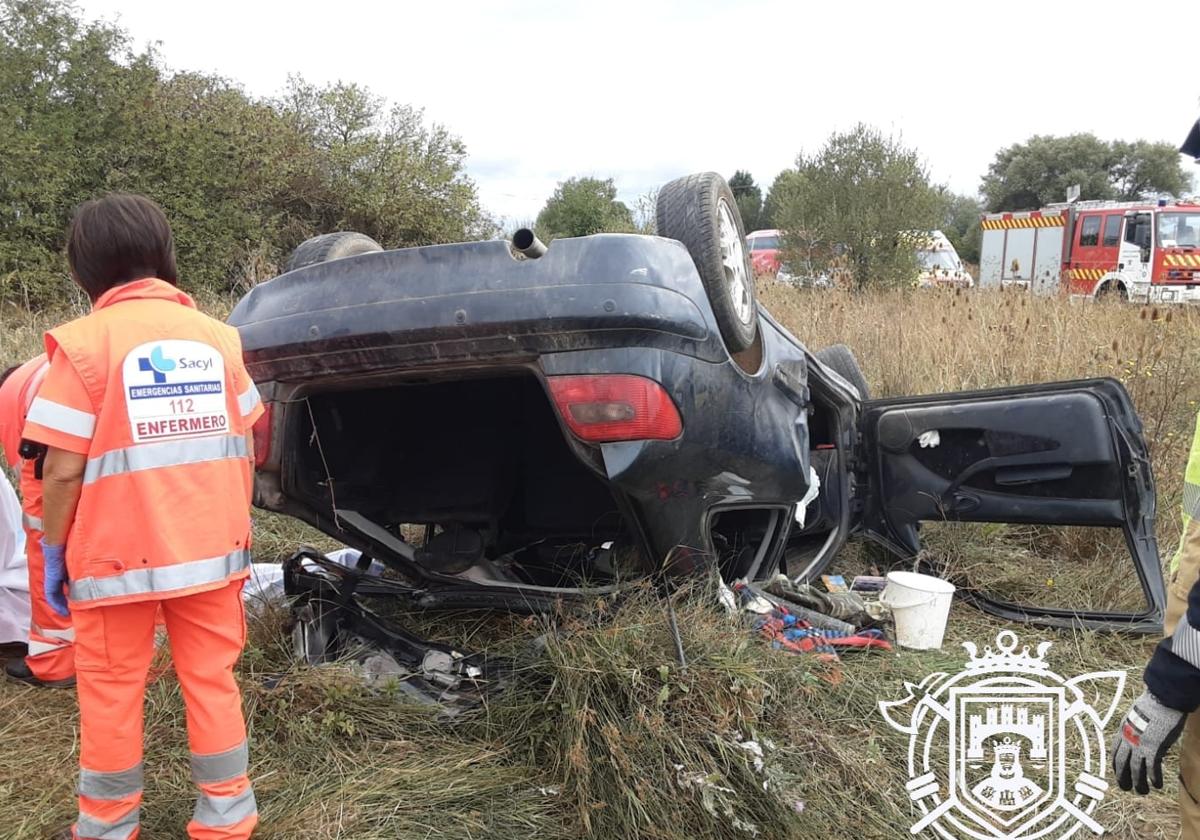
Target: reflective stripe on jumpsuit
51	654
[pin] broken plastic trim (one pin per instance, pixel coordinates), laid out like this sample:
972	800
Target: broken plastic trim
328	594
449	591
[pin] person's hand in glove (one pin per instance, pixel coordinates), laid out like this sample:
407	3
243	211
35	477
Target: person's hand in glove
55	577
1143	738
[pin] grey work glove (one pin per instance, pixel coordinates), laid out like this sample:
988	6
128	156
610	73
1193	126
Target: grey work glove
1143	738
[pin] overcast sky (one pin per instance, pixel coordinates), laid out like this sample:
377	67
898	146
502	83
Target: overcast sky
645	90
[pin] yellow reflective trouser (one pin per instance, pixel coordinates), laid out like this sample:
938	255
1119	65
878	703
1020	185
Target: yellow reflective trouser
1185	569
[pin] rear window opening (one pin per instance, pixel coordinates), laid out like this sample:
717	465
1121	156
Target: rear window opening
483	463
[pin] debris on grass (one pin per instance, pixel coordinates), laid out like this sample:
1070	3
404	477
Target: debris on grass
756	751
850	610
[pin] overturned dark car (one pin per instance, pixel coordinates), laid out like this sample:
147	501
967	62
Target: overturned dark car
509	425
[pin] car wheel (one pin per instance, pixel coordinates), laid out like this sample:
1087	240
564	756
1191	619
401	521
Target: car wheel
331	246
700	211
840	359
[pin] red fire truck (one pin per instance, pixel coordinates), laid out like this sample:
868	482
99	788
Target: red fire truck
1141	252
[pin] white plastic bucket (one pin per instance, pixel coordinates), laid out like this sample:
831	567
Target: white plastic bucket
920	605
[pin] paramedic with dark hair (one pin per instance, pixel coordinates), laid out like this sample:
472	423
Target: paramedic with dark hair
146	412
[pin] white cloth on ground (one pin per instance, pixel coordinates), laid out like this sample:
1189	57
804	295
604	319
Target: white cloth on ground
14	570
266	579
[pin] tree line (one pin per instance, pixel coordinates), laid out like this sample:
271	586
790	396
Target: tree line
847	205
243	179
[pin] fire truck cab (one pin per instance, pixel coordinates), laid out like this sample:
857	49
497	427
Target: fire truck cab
1141	252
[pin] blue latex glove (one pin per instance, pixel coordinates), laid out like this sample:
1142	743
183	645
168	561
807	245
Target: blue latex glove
55	577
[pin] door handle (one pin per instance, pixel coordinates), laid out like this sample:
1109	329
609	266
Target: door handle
1010	470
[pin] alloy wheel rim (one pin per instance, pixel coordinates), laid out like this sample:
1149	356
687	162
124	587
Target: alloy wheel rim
733	262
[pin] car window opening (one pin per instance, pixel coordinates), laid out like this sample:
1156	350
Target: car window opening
481	468
937	261
1089	233
764	243
1044	566
1178	230
1112	231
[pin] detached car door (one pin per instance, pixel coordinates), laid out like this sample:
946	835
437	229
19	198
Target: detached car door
1068	453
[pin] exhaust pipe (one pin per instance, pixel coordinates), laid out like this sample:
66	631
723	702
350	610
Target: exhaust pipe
526	244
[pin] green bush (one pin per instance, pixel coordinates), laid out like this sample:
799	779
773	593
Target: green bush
243	180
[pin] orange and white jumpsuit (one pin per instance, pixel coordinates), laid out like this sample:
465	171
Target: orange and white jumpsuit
156	397
51	654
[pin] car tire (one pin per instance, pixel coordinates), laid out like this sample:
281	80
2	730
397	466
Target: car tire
331	246
700	211
840	359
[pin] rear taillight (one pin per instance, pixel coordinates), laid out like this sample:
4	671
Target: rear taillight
262	436
607	408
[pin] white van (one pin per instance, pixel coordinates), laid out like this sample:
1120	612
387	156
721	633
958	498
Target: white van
939	264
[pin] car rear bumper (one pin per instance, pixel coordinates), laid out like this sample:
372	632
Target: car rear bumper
475	303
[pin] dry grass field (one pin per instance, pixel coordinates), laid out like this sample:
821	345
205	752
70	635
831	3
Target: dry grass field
601	735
